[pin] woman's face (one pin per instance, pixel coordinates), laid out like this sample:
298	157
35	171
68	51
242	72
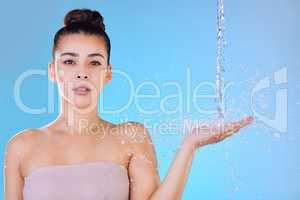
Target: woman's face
80	69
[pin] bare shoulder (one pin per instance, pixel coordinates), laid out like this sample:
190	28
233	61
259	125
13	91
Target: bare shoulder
137	135
16	149
143	167
22	137
20	142
134	131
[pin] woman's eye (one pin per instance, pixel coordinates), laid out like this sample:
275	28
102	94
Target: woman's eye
69	62
96	63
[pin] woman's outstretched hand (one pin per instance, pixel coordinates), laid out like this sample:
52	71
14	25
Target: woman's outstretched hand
213	133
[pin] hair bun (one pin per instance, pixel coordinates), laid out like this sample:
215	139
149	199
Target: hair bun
84	16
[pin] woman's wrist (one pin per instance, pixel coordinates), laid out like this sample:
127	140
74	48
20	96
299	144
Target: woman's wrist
188	146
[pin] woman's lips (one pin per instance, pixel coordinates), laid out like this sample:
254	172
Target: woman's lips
81	90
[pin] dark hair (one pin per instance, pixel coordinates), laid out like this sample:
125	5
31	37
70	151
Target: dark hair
85	21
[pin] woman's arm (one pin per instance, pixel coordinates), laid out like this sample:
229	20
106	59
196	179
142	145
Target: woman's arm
173	184
144	174
13	180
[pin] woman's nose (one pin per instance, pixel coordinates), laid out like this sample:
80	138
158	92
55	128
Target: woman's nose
82	76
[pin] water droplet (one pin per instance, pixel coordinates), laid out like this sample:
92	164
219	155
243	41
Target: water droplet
276	135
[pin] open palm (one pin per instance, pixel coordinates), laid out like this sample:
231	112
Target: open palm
212	133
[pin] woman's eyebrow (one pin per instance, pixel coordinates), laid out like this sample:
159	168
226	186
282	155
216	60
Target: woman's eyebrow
95	54
76	55
69	54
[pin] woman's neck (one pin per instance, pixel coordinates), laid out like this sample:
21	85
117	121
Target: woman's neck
78	120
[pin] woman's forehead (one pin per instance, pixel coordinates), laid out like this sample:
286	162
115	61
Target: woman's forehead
81	45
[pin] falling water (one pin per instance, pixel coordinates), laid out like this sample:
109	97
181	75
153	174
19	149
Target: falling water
220	58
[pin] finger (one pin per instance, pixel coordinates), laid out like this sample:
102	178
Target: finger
246	120
224	136
230	130
243	122
234	127
215	138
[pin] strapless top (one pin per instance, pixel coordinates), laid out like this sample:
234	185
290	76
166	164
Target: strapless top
98	180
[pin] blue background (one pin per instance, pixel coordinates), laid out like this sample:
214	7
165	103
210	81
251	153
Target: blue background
157	41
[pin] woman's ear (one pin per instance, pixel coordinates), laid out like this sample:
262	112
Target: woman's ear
108	75
51	72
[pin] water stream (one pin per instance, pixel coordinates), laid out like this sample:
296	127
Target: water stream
220	58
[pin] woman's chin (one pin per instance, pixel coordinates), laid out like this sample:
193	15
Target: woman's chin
83	103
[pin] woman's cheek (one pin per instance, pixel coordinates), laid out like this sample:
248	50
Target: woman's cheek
61	75
65	75
97	78
96	85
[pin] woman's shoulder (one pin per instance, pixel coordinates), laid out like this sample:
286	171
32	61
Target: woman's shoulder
23	138
135	133
21	142
131	128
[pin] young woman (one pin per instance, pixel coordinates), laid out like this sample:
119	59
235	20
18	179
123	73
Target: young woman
82	156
